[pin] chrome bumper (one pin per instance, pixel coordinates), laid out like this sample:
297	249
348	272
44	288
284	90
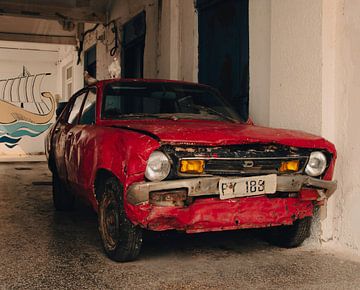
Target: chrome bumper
139	192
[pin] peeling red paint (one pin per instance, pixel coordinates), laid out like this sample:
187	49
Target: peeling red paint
212	214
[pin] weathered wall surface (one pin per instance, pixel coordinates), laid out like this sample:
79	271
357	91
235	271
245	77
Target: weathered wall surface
286	63
295	73
309	50
345	205
23	127
170	42
259	49
67	56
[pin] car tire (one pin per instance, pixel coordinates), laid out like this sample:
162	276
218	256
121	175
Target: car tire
289	236
63	199
120	238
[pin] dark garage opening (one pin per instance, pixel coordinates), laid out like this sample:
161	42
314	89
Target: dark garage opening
224	49
133	47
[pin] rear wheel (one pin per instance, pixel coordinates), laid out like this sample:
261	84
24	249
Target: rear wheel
121	239
289	236
63	199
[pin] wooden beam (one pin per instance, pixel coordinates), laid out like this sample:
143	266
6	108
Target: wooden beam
93	14
55	39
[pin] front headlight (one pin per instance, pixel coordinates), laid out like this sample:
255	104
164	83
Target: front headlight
158	166
317	164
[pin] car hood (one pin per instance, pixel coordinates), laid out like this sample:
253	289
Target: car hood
205	132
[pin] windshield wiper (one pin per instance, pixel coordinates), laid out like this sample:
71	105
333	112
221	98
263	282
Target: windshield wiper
214	112
142	115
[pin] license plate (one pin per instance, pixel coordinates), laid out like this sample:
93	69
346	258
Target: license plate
247	186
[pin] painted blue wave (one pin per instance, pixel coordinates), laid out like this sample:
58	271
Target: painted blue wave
6	139
11	134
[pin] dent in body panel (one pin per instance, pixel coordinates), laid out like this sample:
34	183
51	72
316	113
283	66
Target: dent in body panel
123	153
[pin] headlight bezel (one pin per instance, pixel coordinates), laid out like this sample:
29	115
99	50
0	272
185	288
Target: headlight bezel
320	169
158	158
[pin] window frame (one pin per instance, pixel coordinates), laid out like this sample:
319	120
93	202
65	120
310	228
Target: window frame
65	117
83	104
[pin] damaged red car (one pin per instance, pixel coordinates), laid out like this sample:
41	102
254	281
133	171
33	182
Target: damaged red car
165	155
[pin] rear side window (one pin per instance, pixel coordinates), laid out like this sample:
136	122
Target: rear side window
88	113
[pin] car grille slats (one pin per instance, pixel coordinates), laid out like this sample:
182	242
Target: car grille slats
248	166
240	160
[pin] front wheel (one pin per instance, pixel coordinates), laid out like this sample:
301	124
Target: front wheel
120	238
289	236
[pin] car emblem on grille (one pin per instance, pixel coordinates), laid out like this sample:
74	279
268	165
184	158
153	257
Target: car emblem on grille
248	163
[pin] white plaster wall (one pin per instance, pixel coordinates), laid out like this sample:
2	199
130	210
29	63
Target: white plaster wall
346	214
285	63
38	58
259	49
103	47
189	39
295	72
68	56
123	11
313	55
171	42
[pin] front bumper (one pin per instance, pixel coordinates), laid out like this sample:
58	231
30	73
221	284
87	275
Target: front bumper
139	193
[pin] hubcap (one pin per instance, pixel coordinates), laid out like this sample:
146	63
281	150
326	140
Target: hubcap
110	221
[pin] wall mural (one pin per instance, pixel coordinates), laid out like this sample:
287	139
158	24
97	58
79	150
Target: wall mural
24	110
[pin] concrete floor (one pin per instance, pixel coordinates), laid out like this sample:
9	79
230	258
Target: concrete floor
41	248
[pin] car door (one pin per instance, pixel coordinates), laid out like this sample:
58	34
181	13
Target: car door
58	143
79	150
63	135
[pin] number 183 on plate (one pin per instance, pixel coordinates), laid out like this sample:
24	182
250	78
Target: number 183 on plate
247	186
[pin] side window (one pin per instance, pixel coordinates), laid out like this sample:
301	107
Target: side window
75	110
88	113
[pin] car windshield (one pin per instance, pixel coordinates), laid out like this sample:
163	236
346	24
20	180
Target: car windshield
126	100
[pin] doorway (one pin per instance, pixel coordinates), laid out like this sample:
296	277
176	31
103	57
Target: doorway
90	61
224	49
133	47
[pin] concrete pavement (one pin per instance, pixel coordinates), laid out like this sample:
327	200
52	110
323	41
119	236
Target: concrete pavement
41	248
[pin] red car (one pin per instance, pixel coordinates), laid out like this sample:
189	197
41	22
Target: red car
166	155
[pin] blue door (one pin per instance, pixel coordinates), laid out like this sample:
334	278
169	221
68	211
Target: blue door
224	49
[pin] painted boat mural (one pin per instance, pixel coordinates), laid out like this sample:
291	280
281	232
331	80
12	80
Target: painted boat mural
16	121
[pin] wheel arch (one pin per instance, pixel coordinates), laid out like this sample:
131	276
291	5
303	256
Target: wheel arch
101	175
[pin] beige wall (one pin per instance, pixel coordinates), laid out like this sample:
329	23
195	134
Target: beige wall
170	43
346	213
309	52
259	54
295	73
68	57
285	63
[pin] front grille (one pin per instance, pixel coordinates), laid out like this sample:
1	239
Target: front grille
248	166
241	160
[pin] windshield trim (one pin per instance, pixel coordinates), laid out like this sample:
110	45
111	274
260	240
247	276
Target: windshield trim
233	117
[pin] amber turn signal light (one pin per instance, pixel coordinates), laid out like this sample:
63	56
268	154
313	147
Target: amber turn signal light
287	166
192	166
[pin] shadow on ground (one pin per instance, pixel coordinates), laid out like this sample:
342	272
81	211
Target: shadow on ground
41	248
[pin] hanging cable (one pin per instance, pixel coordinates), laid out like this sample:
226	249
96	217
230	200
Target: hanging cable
114	30
81	42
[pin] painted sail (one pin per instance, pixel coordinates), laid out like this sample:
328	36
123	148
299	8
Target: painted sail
24	109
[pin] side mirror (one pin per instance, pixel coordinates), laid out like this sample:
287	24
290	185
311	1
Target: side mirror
60	107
